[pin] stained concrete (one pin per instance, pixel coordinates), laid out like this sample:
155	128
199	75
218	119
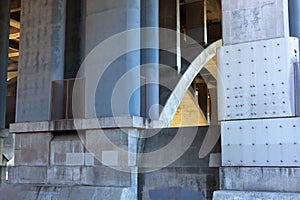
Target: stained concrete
245	21
188	176
260	179
100	176
236	195
40	62
82	124
33	149
21	192
179	183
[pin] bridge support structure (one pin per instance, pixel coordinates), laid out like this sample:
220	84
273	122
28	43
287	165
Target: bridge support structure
258	108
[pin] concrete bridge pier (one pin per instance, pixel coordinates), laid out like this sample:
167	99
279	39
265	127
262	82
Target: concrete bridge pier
256	68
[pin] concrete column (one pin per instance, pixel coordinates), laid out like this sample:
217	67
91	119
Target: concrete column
150	57
108	22
4	43
41	59
294	17
133	58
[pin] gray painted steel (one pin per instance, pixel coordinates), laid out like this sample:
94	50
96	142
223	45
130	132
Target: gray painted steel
150	57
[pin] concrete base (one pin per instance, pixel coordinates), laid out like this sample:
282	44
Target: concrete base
258	183
20	192
52	163
240	195
260	179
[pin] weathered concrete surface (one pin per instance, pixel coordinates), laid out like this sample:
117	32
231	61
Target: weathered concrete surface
9	146
33	149
82	124
189	158
245	21
69	176
62	161
40	62
260	179
67	150
179	183
21	192
238	195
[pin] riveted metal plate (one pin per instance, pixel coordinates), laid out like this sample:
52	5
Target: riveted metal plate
256	80
265	142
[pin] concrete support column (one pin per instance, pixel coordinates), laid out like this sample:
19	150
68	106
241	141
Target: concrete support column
4	40
133	60
113	69
150	57
294	17
243	132
41	59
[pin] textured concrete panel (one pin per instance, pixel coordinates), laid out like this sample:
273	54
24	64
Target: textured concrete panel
27	175
64	176
183	181
32	149
40	62
105	176
260	179
186	158
21	192
65	148
69	176
236	195
245	21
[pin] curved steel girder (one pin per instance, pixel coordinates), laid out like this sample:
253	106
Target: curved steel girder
185	81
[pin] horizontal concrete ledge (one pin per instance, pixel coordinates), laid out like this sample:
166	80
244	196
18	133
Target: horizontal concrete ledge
240	195
84	124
